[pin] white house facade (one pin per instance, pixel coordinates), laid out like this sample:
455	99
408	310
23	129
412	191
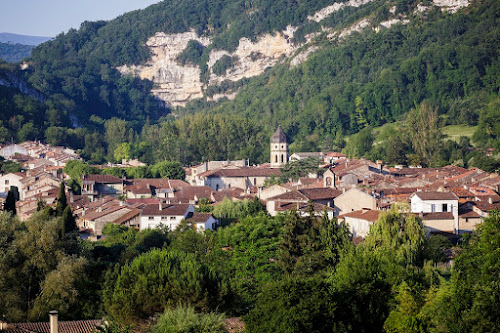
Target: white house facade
168	215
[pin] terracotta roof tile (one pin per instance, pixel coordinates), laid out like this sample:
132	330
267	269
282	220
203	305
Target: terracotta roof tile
320	193
199	217
79	326
436	195
438	216
103	179
167	209
364	214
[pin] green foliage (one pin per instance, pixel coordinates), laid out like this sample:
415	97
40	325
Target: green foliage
423	130
476	292
62	202
249	257
435	247
10	166
184	319
76	169
168	169
228	209
158	279
295	169
10	203
14	52
63	289
292	305
311	244
223	64
191	54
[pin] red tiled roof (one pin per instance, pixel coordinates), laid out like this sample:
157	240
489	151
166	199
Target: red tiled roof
167	209
143	201
301	206
436	195
242	172
199	217
367	214
438	216
229	193
320	193
292	195
103	179
462	192
79	326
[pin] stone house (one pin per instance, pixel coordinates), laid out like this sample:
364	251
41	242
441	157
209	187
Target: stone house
352	200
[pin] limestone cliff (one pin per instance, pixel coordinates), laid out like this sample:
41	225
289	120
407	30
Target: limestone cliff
177	84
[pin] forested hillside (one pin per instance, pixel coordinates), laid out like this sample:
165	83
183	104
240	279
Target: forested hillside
14	52
348	85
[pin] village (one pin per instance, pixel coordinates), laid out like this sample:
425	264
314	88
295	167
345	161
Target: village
449	200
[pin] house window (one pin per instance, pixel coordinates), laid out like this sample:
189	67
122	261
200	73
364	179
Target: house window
6	182
275	147
172	218
282	158
466	220
163	217
328	181
445	207
276	159
433	208
151	218
217	187
255	182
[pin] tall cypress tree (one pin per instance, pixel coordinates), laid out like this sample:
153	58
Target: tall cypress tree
68	220
61	200
10	203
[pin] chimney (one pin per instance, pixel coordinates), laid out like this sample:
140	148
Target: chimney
54	326
3	324
160	205
490	200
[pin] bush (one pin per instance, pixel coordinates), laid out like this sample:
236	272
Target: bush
184	319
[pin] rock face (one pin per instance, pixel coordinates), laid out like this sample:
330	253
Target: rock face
173	83
254	58
176	84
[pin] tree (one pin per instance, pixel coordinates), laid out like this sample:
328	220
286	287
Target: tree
184	319
63	290
68	220
295	306
158	279
423	130
169	169
62	202
10	203
295	169
475	287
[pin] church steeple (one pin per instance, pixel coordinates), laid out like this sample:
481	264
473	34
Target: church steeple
279	149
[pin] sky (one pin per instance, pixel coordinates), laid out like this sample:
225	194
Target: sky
48	18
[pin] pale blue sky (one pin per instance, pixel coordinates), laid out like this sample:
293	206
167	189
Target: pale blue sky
51	17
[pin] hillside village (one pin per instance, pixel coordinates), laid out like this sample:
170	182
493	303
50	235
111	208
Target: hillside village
450	200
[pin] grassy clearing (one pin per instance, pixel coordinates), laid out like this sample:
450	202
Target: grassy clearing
454	132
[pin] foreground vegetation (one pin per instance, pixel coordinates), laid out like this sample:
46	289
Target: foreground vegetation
281	274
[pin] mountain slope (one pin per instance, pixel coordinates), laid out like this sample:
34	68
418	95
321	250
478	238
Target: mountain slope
6	37
321	69
14	52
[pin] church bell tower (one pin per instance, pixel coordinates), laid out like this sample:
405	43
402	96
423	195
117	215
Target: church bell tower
279	149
